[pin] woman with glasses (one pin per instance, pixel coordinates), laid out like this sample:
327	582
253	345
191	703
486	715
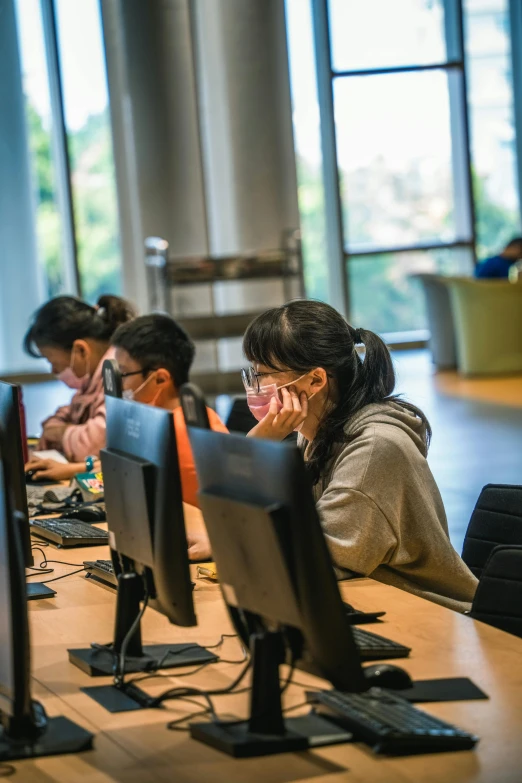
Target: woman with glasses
365	449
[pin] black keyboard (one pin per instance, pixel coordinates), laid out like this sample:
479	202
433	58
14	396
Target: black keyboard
391	724
373	647
69	533
101	571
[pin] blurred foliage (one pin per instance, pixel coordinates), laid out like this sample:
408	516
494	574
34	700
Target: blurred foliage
95	206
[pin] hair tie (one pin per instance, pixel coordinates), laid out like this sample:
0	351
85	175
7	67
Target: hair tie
100	311
357	337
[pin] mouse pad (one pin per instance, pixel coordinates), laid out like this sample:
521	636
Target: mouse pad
450	689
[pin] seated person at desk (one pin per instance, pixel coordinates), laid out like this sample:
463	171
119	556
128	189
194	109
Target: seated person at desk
498	266
154	356
365	450
75	339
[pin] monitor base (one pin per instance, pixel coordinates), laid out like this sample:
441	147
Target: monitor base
36	590
99	662
60	736
303	733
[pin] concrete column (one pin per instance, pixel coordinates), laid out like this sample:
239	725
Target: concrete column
155	126
246	123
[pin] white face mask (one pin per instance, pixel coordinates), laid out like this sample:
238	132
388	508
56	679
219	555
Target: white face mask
130	394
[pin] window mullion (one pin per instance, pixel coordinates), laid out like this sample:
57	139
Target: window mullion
338	294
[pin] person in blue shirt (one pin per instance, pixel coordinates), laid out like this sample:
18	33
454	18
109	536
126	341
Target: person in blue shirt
498	266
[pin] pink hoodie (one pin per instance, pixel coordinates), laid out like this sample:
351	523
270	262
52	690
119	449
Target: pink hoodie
85	435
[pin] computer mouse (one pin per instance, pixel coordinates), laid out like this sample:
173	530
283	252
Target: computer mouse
386	675
30	478
86	514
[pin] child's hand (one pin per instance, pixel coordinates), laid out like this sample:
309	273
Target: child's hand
54	433
53	470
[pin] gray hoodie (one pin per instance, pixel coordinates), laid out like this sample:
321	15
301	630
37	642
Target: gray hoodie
382	512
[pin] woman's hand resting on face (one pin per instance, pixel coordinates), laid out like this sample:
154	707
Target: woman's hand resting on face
277	425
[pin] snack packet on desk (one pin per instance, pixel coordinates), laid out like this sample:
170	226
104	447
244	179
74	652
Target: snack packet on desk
207	571
90	485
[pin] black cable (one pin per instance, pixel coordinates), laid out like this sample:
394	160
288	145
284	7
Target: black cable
119	674
56	578
39	571
177	693
175	725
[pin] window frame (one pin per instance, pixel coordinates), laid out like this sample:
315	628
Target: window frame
339	254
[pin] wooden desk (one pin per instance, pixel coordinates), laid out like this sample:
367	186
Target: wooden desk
137	747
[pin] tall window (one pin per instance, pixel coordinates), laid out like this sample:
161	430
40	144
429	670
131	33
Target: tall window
307	139
41	127
63	63
490	99
395	73
87	121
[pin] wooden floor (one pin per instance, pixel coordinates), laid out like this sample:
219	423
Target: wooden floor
477	429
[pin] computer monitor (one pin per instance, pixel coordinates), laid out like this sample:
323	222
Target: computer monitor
276	572
25	729
14	464
144	510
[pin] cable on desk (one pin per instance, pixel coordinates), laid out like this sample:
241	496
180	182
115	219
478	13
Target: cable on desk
119	673
177	724
38	570
178	693
63	576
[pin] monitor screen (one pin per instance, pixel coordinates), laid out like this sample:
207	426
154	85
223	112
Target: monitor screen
6	630
14	459
144	503
270	549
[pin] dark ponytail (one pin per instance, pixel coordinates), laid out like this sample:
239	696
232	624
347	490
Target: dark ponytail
64	319
305	334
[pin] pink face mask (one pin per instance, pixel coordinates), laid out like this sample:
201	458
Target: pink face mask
69	377
71	380
259	402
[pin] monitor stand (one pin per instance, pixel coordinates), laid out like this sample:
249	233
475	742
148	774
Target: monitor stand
267	731
100	660
36	590
23	738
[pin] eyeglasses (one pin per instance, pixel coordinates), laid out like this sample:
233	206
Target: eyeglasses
135	372
251	378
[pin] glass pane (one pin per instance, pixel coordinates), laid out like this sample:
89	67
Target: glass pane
369	34
40	129
307	142
490	97
86	106
394	154
383	296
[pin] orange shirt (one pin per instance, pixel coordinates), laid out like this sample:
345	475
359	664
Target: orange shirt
187	468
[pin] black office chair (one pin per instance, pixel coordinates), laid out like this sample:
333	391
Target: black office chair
240	419
194	406
496	519
112	381
498	600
